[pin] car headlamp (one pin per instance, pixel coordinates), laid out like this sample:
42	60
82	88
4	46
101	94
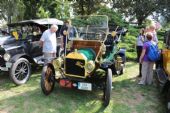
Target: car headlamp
7	56
90	66
57	63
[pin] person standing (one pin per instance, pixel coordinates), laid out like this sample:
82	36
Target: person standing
152	29
147	65
139	46
49	43
67	32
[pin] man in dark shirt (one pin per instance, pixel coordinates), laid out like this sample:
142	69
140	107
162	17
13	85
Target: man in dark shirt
67	32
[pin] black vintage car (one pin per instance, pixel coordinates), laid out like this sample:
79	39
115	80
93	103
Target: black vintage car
20	48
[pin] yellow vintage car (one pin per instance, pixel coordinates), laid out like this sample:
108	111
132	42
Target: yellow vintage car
163	69
89	60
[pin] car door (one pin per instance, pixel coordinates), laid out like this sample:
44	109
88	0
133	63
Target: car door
35	49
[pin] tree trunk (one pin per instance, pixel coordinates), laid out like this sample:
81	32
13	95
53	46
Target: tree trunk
9	19
140	21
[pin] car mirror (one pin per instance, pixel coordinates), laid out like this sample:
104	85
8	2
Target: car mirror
15	34
113	33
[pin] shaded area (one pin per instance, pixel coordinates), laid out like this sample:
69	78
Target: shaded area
127	97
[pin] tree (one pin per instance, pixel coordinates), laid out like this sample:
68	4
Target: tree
138	9
164	9
115	19
11	9
87	7
63	9
31	8
46	9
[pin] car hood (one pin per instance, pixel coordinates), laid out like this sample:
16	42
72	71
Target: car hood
4	39
11	46
8	42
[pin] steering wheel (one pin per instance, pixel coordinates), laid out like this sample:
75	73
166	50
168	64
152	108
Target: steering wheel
101	31
101	34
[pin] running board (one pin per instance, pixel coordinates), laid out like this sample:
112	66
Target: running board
39	60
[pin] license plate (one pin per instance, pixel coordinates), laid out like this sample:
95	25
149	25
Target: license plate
8	65
84	86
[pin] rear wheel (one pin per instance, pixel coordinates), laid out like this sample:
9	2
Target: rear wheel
108	87
168	101
119	66
123	69
47	80
20	71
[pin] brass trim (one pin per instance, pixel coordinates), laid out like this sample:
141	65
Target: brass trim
74	75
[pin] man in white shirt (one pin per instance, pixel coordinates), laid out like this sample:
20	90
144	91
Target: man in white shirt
49	43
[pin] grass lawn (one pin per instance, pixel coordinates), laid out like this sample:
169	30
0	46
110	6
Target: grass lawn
127	97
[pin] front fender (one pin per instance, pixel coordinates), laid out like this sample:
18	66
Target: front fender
122	53
106	65
17	56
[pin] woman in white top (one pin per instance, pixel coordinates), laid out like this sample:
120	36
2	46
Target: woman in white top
152	29
139	46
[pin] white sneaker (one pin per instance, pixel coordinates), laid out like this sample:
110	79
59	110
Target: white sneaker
141	83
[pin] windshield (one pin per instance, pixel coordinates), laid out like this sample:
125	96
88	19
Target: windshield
91	27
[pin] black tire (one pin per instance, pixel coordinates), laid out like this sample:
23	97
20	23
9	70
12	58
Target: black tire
20	71
168	101
108	87
123	69
47	80
120	71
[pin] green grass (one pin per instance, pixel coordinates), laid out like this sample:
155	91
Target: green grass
127	97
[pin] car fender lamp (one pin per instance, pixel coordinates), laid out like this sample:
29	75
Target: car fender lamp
7	56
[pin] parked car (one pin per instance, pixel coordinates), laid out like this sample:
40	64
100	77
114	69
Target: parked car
163	70
90	60
20	49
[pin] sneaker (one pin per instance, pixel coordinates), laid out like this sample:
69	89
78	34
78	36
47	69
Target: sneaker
141	83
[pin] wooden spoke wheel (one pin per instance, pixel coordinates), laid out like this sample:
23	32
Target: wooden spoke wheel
47	80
